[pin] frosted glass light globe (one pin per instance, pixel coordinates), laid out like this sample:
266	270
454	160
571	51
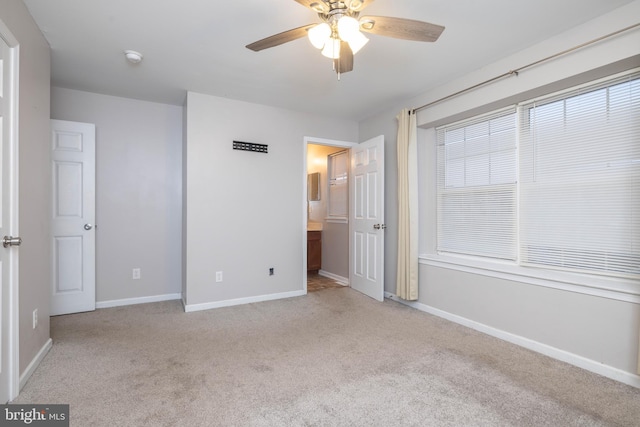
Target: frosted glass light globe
319	35
332	49
358	42
348	28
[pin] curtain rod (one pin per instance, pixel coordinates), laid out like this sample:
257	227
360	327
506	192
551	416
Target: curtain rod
517	70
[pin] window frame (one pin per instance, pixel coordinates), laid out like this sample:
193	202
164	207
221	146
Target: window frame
554	178
472	189
611	287
344	185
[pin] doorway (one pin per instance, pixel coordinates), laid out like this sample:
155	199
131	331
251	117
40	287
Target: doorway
366	228
327	227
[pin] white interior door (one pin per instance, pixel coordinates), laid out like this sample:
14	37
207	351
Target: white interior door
73	287
8	224
366	218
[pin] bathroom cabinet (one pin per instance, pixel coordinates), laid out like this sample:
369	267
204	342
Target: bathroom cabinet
314	250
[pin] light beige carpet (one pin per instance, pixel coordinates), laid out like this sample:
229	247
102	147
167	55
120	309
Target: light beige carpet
331	358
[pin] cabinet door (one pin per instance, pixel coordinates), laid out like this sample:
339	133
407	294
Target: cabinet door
314	251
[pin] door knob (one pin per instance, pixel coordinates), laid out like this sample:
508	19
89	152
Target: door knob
379	226
11	241
88	227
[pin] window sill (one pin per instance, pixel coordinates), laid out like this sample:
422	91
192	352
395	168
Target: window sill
337	220
620	289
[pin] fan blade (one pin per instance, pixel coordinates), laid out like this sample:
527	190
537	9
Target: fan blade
280	38
315	5
344	64
400	28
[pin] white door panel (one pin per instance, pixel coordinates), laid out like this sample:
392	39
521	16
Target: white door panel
73	217
8	223
366	223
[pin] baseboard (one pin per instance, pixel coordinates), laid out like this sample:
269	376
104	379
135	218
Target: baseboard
556	353
342	280
139	300
239	301
24	377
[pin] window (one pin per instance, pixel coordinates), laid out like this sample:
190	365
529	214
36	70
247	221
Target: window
338	172
477	187
579	180
558	188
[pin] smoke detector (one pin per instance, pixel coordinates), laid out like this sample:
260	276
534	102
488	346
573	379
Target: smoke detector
133	56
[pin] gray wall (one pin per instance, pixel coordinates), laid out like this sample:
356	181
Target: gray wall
590	329
34	179
245	211
138	191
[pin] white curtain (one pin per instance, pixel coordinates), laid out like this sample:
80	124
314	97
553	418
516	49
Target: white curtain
407	278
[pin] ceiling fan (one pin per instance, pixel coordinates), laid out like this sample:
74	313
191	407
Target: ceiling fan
339	34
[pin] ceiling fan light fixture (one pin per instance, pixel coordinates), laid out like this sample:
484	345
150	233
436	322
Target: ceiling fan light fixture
348	28
358	42
319	35
332	48
341	32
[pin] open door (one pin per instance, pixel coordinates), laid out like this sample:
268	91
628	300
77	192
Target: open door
9	380
366	218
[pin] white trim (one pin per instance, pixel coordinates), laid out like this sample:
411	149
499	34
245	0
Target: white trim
556	353
330	142
337	219
138	300
600	286
344	281
33	365
188	308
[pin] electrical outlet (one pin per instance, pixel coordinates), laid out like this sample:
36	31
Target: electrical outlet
218	276
35	318
135	275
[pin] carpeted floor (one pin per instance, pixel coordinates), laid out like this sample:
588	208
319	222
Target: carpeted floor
331	358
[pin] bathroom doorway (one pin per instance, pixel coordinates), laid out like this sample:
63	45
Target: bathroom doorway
326	243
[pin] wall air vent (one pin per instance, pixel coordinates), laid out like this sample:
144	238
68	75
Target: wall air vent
249	146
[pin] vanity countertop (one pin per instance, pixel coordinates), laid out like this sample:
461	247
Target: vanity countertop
314	226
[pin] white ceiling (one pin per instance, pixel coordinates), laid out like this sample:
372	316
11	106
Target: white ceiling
199	45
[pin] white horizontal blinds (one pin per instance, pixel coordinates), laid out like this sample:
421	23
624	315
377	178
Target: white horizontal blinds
338	184
477	186
580	180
